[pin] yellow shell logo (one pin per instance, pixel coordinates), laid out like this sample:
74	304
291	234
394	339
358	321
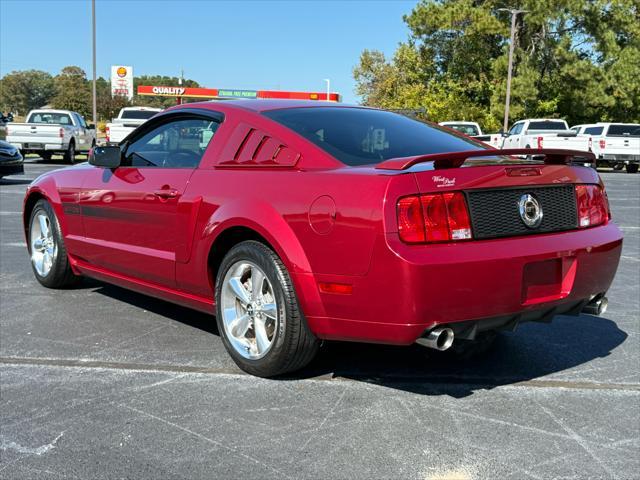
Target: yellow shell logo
121	71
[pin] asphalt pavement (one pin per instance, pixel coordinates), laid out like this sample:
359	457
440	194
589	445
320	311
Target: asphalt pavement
98	382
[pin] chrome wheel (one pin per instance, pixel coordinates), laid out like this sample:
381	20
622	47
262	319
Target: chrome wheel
43	244
249	310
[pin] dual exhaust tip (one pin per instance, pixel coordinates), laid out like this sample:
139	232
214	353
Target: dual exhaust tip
440	338
597	306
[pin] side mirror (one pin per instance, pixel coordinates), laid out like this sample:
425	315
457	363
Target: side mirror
106	157
91	126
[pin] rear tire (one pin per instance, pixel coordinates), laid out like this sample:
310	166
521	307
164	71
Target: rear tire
632	167
258	315
49	259
70	154
46	156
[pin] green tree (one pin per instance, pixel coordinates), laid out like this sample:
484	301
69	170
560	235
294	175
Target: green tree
25	90
73	91
575	59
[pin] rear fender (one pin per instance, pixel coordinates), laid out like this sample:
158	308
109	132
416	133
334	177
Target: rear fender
262	218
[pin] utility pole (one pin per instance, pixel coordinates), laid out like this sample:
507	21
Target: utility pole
93	21
328	80
514	15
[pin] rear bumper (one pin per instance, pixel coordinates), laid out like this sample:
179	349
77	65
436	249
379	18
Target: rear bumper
621	158
42	147
410	289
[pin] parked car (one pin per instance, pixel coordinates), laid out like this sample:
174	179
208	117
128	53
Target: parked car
47	132
299	222
11	161
544	133
615	145
127	121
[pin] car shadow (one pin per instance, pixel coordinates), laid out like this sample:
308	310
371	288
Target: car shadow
535	350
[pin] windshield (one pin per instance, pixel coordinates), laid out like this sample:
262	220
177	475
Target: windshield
50	118
547	125
464	128
624	131
360	136
138	114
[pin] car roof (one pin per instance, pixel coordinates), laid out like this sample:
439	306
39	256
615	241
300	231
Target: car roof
263	105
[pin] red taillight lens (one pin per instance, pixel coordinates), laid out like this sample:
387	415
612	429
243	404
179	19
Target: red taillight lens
540	140
410	220
61	132
603	143
107	133
435	218
459	221
592	205
439	217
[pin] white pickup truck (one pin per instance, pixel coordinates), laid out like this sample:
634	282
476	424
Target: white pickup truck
473	130
615	145
544	133
47	132
127	121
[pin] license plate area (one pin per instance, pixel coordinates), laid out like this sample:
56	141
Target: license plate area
33	145
548	280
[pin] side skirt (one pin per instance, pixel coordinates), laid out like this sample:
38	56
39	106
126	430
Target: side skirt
202	304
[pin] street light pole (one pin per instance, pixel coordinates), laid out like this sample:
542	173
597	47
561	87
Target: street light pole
514	15
93	21
328	87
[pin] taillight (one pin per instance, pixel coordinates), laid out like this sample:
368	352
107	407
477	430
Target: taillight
540	139
592	204
439	217
6	131
410	220
107	133
61	132
603	143
459	222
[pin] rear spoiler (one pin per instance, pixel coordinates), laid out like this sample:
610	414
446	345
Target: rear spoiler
456	159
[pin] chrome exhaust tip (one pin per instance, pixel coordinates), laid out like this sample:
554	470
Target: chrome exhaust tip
597	306
438	339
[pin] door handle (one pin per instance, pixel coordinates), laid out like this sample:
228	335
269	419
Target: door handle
166	193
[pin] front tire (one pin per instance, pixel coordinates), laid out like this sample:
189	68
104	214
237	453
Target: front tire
258	315
49	259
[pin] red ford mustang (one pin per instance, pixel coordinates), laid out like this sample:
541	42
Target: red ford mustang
295	222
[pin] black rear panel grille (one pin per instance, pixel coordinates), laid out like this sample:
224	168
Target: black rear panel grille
495	213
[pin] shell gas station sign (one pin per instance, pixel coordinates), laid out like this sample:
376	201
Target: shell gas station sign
122	81
229	93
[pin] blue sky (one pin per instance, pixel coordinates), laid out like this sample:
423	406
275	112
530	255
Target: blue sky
288	45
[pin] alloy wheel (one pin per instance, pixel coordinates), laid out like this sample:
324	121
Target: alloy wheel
249	310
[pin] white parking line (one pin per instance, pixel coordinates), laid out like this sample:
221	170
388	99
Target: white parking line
10	213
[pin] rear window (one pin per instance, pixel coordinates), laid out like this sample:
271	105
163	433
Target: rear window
463	128
360	136
138	114
624	131
50	118
593	130
547	125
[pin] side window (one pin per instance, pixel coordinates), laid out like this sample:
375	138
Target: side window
176	144
81	122
516	129
593	130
